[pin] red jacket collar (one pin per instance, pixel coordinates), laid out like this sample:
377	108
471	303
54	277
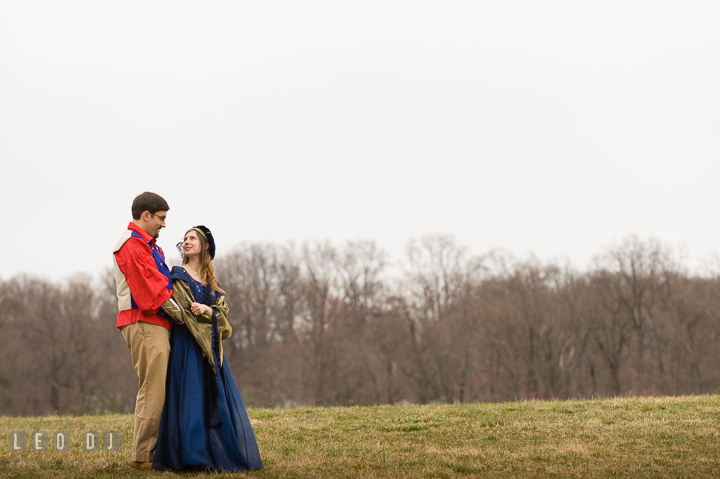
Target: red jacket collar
146	237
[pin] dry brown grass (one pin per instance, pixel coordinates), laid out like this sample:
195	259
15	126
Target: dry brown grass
622	437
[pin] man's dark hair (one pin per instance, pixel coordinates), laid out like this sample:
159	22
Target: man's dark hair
149	202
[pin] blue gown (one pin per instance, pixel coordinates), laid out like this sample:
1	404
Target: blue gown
204	423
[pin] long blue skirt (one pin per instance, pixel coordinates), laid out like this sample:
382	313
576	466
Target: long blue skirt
204	423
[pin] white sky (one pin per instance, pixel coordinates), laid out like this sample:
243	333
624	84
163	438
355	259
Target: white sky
556	128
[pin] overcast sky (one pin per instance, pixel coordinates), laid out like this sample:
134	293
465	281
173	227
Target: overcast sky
552	128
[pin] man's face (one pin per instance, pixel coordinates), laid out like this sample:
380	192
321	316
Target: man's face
155	223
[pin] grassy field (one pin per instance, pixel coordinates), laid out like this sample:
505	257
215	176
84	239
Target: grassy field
622	437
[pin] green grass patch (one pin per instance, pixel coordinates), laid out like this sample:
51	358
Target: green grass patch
620	437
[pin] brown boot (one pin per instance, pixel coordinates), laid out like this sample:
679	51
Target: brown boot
143	466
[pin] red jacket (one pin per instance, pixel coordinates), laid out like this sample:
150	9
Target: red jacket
137	269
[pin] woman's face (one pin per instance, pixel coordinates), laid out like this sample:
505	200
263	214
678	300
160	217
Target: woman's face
191	244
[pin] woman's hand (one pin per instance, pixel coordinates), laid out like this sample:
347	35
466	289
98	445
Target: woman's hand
197	309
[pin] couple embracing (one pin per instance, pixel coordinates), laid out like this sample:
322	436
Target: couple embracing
189	414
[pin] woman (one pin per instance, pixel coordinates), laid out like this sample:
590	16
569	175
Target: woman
204	424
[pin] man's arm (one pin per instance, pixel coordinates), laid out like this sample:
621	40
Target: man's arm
148	286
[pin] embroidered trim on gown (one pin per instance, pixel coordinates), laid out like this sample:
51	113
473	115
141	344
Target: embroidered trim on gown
204	423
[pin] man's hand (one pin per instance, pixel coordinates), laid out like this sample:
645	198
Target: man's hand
174	305
173	309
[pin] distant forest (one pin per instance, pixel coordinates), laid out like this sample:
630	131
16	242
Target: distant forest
323	324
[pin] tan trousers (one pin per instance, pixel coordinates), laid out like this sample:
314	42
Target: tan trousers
149	346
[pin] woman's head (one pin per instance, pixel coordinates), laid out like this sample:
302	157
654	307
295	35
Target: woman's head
199	243
191	245
208	238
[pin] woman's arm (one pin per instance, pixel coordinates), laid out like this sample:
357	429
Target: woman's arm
198	308
220	309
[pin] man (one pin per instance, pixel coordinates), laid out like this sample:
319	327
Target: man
143	285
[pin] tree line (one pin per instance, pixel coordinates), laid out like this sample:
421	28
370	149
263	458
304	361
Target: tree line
322	324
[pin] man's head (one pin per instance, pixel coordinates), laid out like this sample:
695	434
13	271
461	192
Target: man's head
149	212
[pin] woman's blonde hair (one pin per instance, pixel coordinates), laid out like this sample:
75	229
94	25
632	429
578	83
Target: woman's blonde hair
207	269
